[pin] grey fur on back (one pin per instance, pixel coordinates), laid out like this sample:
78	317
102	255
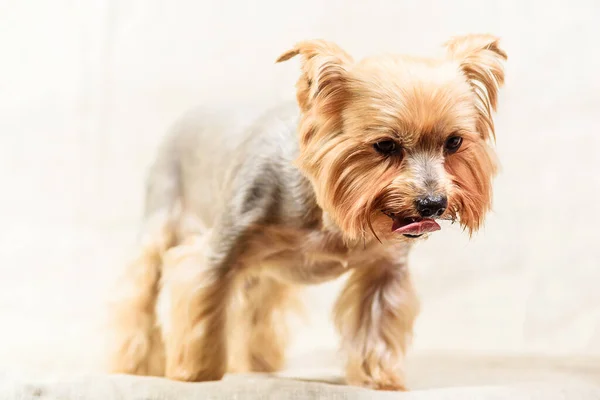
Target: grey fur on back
229	169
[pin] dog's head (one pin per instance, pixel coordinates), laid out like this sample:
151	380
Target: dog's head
392	143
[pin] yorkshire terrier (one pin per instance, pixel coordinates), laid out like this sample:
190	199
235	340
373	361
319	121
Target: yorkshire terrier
240	211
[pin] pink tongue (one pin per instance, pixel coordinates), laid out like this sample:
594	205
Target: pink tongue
416	228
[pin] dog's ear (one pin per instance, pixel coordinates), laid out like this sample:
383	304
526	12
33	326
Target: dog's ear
323	82
482	61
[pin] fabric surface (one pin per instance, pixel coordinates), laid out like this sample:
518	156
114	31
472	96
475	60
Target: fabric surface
317	376
261	387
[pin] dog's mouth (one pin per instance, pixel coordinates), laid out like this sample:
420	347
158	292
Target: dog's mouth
412	227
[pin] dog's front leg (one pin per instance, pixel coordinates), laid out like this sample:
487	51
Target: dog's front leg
374	315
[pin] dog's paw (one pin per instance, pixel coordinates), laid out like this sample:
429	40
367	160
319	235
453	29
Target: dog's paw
393	386
375	371
385	381
180	373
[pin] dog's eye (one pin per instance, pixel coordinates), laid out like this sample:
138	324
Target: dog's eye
387	147
452	144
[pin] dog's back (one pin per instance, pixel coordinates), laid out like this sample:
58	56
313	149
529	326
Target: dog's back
197	161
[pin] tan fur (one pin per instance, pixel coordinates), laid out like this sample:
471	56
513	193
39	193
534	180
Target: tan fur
417	101
481	60
375	316
258	324
138	346
198	298
229	282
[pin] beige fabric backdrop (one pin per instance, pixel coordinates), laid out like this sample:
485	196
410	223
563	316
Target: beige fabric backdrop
87	89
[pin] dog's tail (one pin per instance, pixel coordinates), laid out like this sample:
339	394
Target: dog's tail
137	347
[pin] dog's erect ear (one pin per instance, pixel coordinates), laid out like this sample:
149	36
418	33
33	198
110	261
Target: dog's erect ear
324	74
482	61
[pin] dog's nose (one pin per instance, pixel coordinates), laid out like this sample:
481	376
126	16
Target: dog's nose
431	206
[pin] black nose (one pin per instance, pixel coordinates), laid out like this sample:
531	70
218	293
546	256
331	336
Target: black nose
431	206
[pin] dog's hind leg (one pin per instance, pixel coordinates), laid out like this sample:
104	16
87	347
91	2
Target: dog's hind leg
197	287
260	323
136	342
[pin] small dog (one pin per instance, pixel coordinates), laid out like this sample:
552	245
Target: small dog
240	211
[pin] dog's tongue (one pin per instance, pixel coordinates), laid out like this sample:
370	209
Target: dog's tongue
419	227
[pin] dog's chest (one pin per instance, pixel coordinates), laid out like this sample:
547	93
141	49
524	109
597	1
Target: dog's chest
308	256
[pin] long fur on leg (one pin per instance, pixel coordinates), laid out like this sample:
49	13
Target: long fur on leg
196	348
375	315
268	304
137	346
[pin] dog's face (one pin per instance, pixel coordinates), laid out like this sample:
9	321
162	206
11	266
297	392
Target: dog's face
393	143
